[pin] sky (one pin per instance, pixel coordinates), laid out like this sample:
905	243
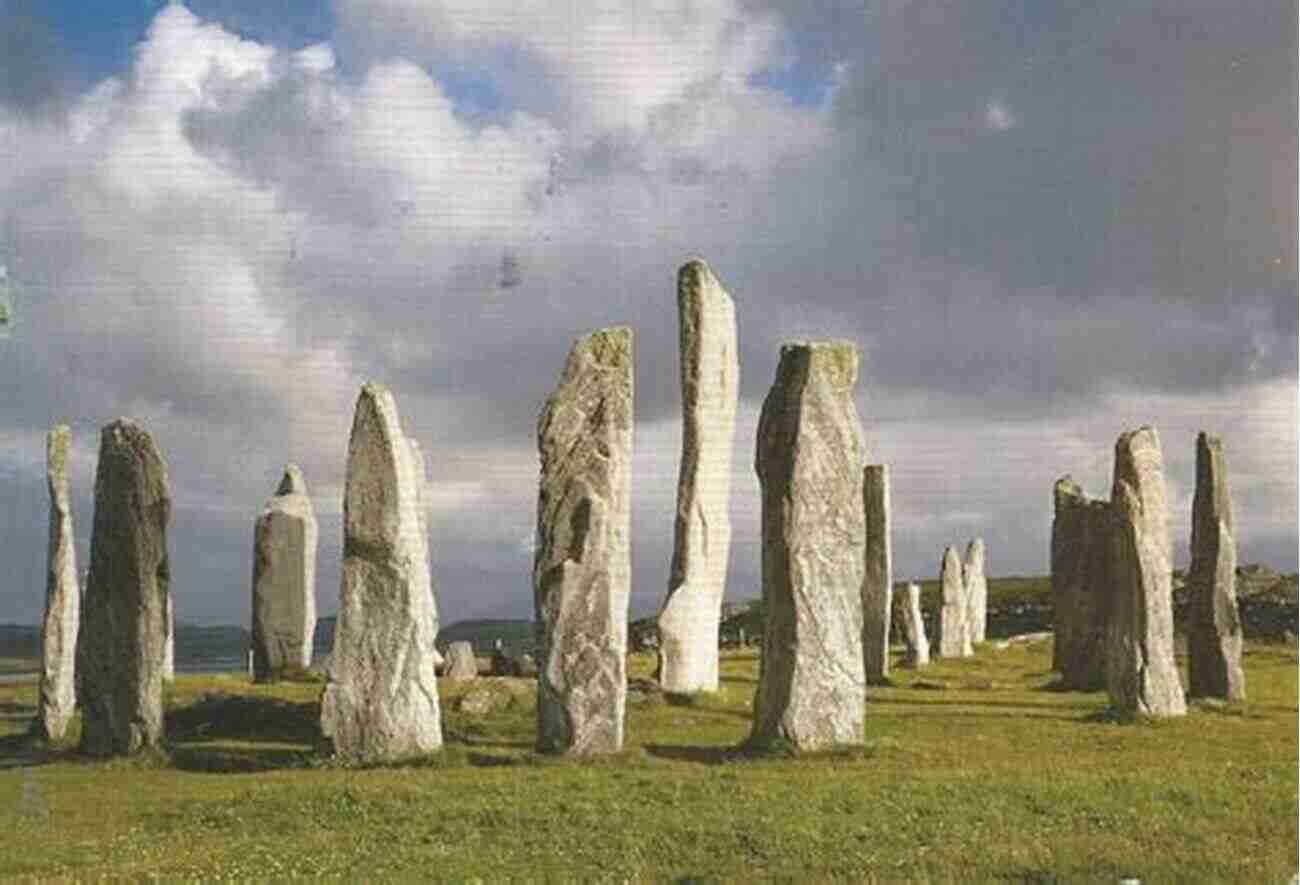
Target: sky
1043	224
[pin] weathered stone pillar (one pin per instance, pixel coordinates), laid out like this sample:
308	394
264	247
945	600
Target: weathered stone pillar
877	577
954	637
284	579
169	642
582	565
381	696
1080	587
710	379
58	693
461	664
918	645
1214	638
123	635
809	460
1141	675
976	589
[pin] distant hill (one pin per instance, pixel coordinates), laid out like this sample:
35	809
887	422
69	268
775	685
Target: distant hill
515	635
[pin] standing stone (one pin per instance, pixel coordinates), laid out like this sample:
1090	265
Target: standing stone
1080	587
977	590
918	646
954	637
1214	640
284	580
58	692
877	574
124	615
582	565
710	378
381	696
461	664
1141	675
169	647
809	460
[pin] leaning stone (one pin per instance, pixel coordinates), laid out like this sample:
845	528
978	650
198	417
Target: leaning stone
582	565
809	459
1141	675
918	646
1080	586
877	576
1214	639
976	589
284	580
124	620
710	379
58	693
381	695
461	664
954	637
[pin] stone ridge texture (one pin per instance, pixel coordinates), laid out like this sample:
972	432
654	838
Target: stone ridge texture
380	700
57	698
284	579
1214	638
809	459
582	560
954	637
877	575
1080	586
1141	674
710	384
977	590
126	608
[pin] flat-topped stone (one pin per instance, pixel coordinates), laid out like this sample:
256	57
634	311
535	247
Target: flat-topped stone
1080	586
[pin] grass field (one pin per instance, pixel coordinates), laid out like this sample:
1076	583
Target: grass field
973	770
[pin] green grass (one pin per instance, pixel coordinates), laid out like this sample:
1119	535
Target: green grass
984	774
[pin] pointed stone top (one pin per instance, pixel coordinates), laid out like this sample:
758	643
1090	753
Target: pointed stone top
831	360
380	493
129	432
696	276
608	348
1212	496
293	482
951	558
1066	487
975	552
1136	453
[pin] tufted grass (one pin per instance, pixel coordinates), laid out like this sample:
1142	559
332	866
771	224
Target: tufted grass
972	771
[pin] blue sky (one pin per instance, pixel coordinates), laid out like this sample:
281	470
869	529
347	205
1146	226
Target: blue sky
1044	224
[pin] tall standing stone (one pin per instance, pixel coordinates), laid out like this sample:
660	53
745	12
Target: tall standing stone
1214	640
123	635
977	590
1141	675
918	645
381	695
582	565
877	574
284	580
58	693
954	637
710	379
809	459
169	644
1080	587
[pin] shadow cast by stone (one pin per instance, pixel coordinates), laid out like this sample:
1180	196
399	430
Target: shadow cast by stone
238	760
244	718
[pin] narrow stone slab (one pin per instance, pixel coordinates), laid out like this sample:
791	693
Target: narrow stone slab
710	380
918	645
954	637
125	613
1080	586
169	641
1215	636
809	458
877	574
582	566
57	700
381	695
461	664
1141	675
976	589
284	580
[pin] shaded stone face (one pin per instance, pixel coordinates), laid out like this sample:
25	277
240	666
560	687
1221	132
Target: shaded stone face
918	645
954	637
57	699
1080	586
976	589
582	564
809	458
1215	635
284	579
461	664
1141	675
710	380
381	696
122	643
877	574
